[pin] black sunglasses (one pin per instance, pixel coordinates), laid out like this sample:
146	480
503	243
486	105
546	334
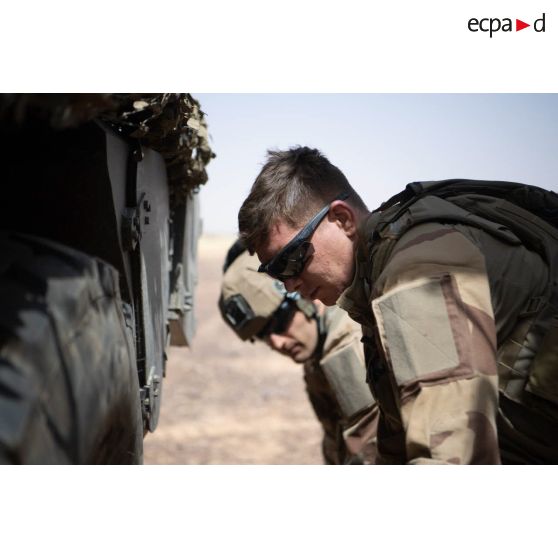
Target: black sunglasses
280	319
290	261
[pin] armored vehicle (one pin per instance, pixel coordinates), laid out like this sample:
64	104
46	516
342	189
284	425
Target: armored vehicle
100	221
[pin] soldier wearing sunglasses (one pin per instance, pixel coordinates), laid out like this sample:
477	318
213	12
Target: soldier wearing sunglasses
325	341
454	284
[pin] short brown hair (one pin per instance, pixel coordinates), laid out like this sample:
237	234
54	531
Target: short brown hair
292	186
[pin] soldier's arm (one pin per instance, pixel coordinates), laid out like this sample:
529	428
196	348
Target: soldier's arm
361	436
437	333
343	365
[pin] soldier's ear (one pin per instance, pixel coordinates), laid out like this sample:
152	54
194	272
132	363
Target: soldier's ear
344	216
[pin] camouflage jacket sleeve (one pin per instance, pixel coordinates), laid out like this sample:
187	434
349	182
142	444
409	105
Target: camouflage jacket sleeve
436	328
342	362
338	392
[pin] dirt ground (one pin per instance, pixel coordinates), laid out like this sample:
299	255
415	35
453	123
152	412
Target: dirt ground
229	402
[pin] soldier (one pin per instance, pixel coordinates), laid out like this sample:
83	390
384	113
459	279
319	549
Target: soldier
456	292
326	342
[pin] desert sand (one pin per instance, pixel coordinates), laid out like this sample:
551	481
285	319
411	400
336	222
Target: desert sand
229	402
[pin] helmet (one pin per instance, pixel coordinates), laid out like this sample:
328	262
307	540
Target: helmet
249	299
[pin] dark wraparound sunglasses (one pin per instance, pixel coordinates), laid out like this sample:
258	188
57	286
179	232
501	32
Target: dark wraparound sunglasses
281	318
290	261
238	312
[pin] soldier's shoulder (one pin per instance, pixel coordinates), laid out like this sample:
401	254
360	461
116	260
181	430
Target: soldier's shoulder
433	243
340	330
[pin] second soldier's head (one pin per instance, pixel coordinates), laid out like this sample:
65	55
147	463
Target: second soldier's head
256	306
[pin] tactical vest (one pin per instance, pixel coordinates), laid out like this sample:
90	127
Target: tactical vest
511	212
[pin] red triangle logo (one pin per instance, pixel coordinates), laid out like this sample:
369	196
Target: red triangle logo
519	25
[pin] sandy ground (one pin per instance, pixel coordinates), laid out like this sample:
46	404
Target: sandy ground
229	402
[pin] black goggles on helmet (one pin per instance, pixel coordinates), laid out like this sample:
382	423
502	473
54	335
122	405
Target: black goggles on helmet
281	318
236	311
290	261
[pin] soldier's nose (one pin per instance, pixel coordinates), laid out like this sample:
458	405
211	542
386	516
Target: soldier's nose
275	341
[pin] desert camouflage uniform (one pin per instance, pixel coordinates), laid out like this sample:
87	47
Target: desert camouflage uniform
335	382
335	375
438	320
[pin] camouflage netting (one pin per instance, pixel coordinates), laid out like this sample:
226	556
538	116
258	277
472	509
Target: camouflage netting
170	123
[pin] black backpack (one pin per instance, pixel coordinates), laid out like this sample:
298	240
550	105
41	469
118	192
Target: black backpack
530	213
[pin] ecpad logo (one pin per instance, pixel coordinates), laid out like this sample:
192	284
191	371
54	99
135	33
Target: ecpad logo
493	25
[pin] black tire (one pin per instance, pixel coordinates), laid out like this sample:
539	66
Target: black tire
69	388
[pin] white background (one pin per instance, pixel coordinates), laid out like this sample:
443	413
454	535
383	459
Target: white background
287	46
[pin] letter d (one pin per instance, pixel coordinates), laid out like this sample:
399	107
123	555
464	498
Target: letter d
535	25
